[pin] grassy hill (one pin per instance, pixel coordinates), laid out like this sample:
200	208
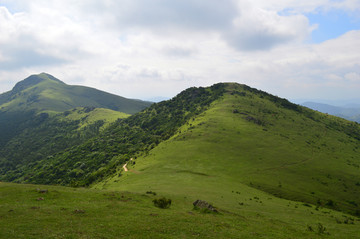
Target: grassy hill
272	169
100	156
42	116
44	92
252	138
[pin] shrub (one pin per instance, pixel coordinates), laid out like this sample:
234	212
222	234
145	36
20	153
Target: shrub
321	229
330	203
162	202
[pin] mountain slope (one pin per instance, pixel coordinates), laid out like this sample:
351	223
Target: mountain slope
100	156
252	138
47	135
42	116
44	92
241	149
227	134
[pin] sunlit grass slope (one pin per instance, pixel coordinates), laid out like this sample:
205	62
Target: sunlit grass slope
44	92
245	138
62	212
87	116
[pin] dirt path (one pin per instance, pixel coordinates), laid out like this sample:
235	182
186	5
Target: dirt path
125	168
125	165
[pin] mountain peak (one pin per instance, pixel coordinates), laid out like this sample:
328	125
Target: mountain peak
34	80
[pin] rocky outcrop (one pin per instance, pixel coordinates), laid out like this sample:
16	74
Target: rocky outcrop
204	205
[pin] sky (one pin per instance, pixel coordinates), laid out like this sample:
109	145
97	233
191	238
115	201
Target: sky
143	49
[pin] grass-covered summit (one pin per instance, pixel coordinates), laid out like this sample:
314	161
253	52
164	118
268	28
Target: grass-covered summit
249	137
44	92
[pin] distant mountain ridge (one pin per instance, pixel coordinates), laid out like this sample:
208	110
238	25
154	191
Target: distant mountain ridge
350	113
43	92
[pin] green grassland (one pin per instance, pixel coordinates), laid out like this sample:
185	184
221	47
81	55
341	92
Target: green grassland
87	213
301	156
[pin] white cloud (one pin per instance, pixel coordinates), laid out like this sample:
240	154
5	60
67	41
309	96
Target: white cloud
259	29
142	49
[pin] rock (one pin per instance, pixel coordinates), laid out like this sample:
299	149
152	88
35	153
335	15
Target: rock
203	204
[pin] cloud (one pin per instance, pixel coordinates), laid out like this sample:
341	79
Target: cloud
21	58
165	15
179	51
258	29
240	24
142	49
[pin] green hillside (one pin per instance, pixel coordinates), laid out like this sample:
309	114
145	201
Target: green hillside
100	156
250	137
228	131
271	168
49	134
44	92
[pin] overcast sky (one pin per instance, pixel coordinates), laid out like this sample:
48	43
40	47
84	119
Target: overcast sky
148	48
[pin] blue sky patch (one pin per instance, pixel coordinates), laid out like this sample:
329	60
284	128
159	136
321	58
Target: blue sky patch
332	24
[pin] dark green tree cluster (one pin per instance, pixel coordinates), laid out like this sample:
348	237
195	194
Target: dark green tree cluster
42	137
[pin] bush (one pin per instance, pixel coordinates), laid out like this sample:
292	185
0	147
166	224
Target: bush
162	202
321	229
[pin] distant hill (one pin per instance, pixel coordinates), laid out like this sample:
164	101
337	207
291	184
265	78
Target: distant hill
350	112
44	92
